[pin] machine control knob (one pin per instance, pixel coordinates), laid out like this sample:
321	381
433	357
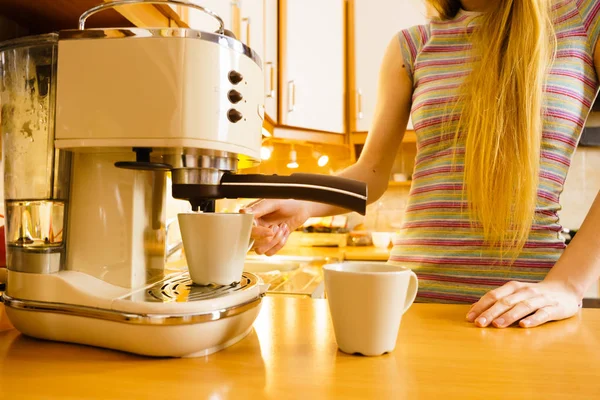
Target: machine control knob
234	115
234	96
235	77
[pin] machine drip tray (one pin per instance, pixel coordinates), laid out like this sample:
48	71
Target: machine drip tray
181	289
172	290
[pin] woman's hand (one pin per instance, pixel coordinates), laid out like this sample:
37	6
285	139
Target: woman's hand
275	219
530	304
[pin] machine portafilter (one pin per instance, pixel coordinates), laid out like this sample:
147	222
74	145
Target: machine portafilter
202	177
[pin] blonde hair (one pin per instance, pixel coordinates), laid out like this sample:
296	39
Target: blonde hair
502	115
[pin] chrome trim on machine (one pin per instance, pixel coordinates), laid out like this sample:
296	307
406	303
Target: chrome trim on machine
140	33
126	317
117	3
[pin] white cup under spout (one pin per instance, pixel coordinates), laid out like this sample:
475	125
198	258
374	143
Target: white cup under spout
216	245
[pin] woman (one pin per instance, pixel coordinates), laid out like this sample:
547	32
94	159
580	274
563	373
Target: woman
499	91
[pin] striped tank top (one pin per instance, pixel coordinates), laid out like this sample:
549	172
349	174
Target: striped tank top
437	240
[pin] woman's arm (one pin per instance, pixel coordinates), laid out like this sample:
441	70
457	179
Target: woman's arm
579	265
391	118
559	295
278	218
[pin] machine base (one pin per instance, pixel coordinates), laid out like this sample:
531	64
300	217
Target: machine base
169	318
195	340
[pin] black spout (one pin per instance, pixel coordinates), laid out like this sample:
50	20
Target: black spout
203	205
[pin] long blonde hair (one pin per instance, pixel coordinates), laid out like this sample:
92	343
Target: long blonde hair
501	122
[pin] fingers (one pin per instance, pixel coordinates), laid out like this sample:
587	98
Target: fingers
499	308
261	233
523	309
261	208
541	316
503	305
281	243
270	247
261	245
491	298
530	304
249	205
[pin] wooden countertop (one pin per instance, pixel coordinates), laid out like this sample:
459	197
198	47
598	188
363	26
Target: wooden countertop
292	354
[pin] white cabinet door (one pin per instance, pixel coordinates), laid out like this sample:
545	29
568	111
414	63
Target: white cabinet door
251	25
258	29
270	59
226	9
312	70
375	23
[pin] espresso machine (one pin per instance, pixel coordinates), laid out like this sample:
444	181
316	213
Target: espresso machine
93	122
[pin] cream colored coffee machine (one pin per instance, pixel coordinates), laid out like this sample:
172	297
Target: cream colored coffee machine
93	120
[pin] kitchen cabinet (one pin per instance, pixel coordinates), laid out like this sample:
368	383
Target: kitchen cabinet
259	30
373	23
228	10
270	59
252	32
312	69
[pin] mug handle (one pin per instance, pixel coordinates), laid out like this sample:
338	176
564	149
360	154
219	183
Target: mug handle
411	294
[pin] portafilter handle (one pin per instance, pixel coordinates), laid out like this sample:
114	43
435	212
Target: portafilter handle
340	192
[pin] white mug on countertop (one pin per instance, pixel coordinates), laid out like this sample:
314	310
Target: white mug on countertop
215	245
381	239
366	302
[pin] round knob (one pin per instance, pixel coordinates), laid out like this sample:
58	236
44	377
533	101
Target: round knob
234	96
234	115
235	77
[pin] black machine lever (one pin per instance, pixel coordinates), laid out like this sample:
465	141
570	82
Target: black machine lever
341	192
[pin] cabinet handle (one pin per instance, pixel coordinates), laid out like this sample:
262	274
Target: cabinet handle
291	96
359	104
271	90
247	21
236	18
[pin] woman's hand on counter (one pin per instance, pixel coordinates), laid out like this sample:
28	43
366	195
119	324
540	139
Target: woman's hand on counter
529	304
558	296
275	219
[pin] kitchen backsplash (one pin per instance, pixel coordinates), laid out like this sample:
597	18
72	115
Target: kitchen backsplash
581	187
387	213
306	156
